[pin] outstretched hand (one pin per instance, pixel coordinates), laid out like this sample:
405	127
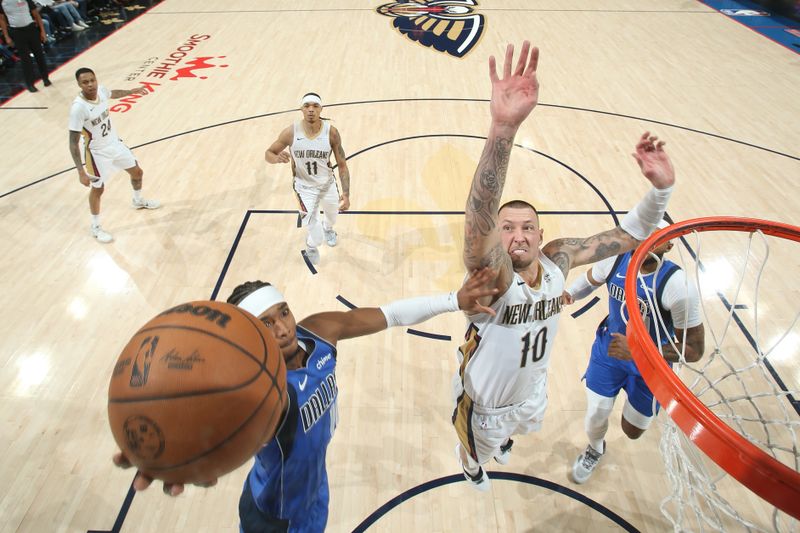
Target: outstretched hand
654	161
516	94
478	285
142	481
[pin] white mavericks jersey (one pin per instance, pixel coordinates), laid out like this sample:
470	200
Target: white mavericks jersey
311	156
505	357
93	120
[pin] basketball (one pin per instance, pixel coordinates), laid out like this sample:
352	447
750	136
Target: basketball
196	392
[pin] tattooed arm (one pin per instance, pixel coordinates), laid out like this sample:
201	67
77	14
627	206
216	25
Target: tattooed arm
572	252
344	172
513	98
656	166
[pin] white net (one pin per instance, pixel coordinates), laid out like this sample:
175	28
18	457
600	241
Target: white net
749	376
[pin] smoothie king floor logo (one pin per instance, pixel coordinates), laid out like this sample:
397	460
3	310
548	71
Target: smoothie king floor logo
448	26
181	63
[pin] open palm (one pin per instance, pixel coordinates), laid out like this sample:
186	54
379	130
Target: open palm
516	94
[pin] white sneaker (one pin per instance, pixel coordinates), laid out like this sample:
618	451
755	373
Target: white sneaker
82	24
505	453
586	463
479	481
145	204
77	28
100	235
312	254
330	237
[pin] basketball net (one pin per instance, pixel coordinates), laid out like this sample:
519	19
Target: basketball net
730	440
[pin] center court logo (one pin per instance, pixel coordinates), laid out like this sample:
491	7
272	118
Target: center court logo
448	26
181	63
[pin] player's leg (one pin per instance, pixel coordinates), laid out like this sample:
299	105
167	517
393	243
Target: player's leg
99	169
604	380
310	200
330	209
124	158
473	448
95	192
638	413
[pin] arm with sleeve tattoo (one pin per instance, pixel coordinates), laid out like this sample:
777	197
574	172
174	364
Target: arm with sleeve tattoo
513	98
643	218
344	171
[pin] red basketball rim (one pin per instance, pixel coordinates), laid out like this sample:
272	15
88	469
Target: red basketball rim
769	478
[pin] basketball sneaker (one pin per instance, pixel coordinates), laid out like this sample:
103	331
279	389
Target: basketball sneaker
145	204
586	463
100	235
505	453
312	254
480	481
330	237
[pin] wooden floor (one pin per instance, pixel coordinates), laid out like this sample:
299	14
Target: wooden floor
412	121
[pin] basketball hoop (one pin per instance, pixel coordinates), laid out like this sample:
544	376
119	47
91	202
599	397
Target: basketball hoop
764	465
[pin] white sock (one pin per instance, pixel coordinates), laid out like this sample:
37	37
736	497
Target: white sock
596	429
598	411
137	195
95	220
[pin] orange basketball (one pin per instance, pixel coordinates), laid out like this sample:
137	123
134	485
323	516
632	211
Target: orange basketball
196	392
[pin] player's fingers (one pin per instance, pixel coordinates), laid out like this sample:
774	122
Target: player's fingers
173	489
121	461
492	69
141	481
523	58
533	64
508	61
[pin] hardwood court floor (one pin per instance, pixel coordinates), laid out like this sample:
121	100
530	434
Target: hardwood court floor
412	121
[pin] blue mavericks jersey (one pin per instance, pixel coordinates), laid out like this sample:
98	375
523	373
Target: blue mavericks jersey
288	479
646	292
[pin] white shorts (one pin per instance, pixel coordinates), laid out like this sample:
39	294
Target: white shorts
314	198
482	430
105	162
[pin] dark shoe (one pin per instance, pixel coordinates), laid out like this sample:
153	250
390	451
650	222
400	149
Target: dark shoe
47	82
32	88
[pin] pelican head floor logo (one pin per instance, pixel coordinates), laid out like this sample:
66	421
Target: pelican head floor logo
448	26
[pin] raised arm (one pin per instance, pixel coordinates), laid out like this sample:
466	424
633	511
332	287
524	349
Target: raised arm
513	98
636	226
338	325
277	153
344	172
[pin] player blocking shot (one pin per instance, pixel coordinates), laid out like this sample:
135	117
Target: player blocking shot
501	384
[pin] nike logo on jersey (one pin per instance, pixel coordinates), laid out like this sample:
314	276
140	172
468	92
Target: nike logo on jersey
302	385
299	139
619	276
520	283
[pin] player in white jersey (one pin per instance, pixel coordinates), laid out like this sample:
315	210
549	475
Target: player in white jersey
311	142
501	387
105	154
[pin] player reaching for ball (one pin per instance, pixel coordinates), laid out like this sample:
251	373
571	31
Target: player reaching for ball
287	487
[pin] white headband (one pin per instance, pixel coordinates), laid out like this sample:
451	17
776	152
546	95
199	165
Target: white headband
311	99
261	299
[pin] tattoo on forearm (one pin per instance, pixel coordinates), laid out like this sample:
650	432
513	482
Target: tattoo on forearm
74	150
344	174
484	197
561	260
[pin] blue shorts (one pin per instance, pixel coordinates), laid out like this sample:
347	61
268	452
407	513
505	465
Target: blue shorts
607	375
